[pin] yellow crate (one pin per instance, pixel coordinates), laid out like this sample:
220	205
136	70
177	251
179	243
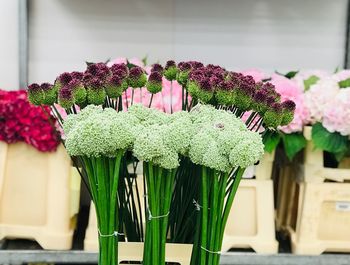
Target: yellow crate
251	220
39	195
323	220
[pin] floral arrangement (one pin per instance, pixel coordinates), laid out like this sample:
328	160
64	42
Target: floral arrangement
21	121
195	155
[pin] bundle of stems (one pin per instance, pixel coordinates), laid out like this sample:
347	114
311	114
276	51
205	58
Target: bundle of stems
103	175
159	190
218	190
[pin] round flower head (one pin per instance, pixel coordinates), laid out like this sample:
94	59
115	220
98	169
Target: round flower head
273	116
154	83
183	73
35	94
147	116
288	108
77	75
50	93
115	86
215	143
195	64
115	68
205	92
137	77
65	97
79	91
170	71
224	93
64	78
245	92
101	132
95	92
193	88
157	68
259	101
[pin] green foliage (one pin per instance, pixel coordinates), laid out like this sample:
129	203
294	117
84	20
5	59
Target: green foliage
310	81
327	141
271	140
289	75
293	143
344	83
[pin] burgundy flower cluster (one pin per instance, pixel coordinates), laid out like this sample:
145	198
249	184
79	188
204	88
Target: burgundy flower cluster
21	121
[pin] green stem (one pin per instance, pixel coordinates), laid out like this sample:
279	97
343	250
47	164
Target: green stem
204	217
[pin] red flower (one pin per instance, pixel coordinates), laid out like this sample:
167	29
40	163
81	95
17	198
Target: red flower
21	121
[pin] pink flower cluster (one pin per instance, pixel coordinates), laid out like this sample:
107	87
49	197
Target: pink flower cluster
290	90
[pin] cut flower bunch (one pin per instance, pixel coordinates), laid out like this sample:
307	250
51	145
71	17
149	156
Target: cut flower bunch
193	159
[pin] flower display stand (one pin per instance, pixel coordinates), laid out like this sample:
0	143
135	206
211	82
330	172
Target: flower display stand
314	207
39	195
251	221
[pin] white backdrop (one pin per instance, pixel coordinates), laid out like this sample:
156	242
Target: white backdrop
266	34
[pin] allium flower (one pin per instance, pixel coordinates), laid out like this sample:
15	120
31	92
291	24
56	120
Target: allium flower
222	141
98	133
120	70
183	73
64	79
66	97
154	83
79	91
170	70
157	68
77	75
245	92
35	94
290	90
336	115
95	92
137	77
50	93
225	94
318	97
205	92
116	85
273	116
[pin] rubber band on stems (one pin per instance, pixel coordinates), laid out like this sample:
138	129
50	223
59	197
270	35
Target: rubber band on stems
150	216
198	206
211	252
115	233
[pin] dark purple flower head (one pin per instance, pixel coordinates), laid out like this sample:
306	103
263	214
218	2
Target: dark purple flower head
247	85
34	88
74	83
157	68
135	72
46	86
169	64
270	100
228	85
196	75
65	78
102	67
66	93
205	85
87	77
95	83
277	107
288	105
115	80
215	68
119	66
215	81
235	76
77	75
196	65
184	66
120	74
268	87
92	69
155	77
260	97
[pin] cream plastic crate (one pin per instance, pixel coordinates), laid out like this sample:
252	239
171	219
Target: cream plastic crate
323	220
39	195
314	171
251	220
263	170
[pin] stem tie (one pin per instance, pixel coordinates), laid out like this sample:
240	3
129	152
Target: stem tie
150	216
211	252
115	233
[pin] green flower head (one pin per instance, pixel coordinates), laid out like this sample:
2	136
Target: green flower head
137	77
50	94
35	94
170	70
95	92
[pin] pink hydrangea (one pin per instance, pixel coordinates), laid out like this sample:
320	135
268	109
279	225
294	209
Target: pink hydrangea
258	75
336	115
301	76
341	75
318	97
289	90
